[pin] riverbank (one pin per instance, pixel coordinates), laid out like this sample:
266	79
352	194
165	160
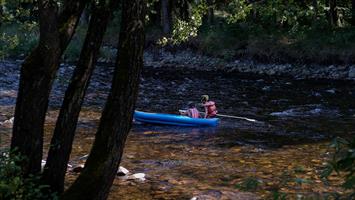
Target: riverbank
187	59
312	54
195	62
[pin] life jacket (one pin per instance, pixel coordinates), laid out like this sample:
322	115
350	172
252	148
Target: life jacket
211	109
193	113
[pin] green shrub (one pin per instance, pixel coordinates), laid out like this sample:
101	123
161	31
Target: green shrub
13	186
249	184
343	161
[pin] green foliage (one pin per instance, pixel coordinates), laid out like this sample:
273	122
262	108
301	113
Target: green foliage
239	10
343	162
14	186
276	195
185	30
20	29
249	184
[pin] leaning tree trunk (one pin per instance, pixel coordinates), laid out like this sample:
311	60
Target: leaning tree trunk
62	140
37	74
101	167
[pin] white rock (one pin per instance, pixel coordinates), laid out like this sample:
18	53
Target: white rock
122	171
43	164
332	91
8	123
138	176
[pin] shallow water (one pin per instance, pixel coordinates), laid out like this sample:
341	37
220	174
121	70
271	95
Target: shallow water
284	151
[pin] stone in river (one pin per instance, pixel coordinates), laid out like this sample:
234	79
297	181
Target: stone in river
122	171
7	123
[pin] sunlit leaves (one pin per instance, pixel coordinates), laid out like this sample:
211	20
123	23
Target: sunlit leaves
7	43
239	10
184	30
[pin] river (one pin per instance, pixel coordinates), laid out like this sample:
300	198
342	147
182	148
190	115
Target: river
283	152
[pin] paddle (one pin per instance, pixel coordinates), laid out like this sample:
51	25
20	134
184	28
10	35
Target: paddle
236	117
227	116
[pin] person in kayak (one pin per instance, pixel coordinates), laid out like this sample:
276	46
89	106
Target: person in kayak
210	107
192	111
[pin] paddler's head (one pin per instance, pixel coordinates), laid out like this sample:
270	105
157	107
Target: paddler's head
204	98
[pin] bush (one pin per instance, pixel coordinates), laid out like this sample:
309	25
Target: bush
14	186
343	162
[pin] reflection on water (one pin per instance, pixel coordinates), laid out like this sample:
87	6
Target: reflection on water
284	151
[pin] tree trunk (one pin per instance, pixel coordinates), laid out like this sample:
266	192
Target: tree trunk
353	12
62	140
1	13
315	7
37	74
333	15
155	18
166	16
208	18
101	167
183	9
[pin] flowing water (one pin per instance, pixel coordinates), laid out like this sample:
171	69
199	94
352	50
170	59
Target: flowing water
283	152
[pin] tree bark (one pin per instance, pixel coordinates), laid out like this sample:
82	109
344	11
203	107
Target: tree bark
1	13
62	140
333	15
182	9
315	7
37	74
101	167
208	18
166	16
155	18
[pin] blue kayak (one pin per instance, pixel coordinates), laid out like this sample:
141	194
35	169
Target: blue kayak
170	119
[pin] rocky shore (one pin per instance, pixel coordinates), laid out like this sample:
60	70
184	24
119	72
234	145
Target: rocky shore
190	60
